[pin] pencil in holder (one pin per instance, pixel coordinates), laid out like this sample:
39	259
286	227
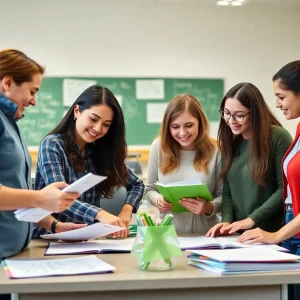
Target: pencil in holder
156	247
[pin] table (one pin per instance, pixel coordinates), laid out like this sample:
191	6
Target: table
129	282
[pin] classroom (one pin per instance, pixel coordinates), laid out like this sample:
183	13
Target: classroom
147	52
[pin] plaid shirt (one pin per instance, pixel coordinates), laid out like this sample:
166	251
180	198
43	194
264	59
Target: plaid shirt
53	165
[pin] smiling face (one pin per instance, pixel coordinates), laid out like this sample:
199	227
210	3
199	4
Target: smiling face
184	130
287	101
92	123
234	107
22	95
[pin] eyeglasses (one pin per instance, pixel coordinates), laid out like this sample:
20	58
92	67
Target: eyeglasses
237	117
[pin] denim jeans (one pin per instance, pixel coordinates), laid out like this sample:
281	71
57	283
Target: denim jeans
293	245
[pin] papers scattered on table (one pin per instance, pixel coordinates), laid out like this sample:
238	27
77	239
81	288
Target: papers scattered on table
55	267
245	260
203	242
100	246
83	234
79	186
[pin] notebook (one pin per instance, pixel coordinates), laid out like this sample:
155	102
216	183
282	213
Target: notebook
203	242
175	191
101	246
21	268
244	261
80	186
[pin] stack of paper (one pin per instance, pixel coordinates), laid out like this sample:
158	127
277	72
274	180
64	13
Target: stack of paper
175	191
100	246
203	242
55	267
245	260
79	186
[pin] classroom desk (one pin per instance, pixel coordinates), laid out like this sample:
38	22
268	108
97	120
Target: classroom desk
129	282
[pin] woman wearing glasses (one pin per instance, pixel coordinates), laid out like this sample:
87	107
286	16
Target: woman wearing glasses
252	144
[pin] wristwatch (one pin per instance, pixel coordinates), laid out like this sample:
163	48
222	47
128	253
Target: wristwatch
53	226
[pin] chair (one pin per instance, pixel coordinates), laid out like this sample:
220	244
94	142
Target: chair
134	164
115	204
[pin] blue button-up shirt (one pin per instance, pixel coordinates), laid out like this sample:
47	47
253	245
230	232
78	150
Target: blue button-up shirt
15	172
53	165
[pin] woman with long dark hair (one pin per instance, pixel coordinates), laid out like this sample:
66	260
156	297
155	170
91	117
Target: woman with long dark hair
90	138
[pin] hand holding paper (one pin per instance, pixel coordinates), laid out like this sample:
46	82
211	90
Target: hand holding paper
56	200
57	190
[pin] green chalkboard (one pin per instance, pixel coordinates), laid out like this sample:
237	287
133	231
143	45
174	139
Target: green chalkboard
143	101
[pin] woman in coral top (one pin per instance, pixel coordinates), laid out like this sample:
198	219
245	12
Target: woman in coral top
286	83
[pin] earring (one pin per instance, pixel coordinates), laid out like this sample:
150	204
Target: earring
75	118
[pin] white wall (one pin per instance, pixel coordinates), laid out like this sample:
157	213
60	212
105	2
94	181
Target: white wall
108	38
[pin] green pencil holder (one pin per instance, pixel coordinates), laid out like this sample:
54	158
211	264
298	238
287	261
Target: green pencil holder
156	247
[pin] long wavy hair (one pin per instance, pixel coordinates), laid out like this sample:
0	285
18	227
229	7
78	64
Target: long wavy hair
261	121
108	152
170	148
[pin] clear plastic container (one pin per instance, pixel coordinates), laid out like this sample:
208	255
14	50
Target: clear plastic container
156	247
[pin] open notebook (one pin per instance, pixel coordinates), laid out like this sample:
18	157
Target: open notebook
99	246
203	242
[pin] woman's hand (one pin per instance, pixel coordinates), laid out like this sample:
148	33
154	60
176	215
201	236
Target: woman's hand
236	226
61	226
163	205
197	206
107	218
53	199
258	235
218	229
125	216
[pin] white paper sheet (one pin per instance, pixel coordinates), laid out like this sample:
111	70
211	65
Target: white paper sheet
72	88
83	234
80	186
120	99
150	89
52	267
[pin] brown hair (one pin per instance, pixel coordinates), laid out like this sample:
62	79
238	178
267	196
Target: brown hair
170	149
20	67
261	120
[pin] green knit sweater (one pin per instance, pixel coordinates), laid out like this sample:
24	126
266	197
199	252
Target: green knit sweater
243	197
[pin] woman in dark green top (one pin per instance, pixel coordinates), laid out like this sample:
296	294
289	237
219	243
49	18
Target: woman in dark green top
252	144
